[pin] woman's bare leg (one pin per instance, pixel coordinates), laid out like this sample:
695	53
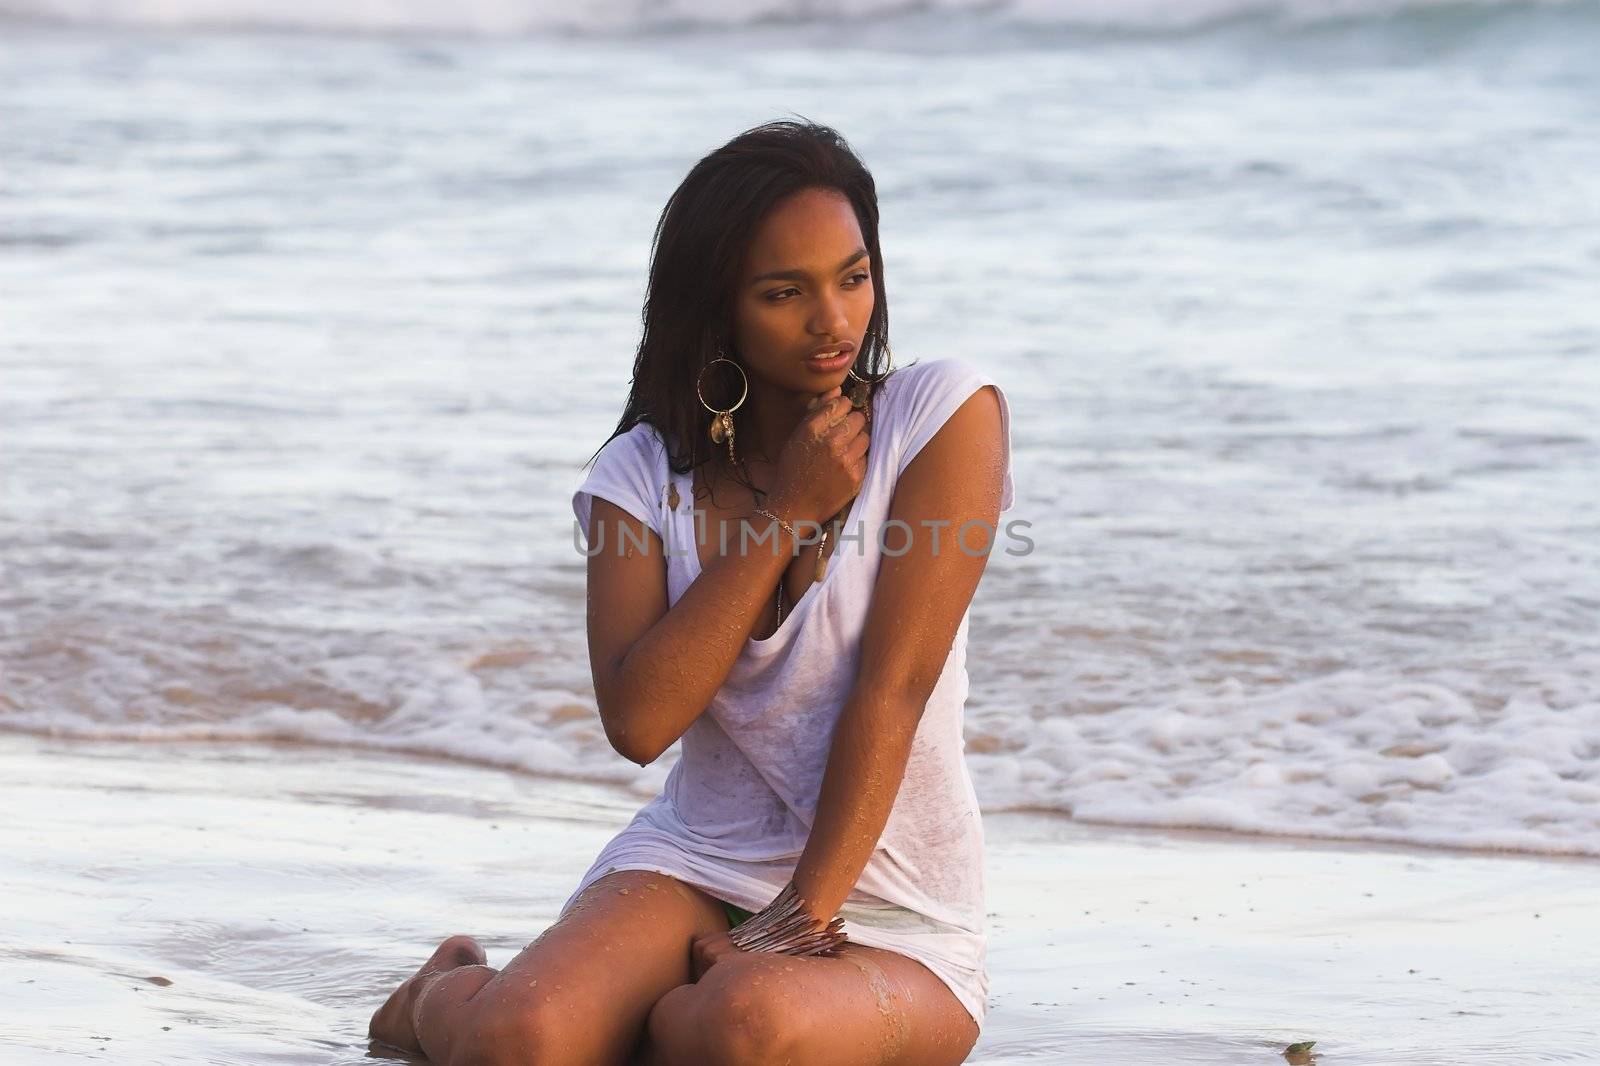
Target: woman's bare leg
582	991
392	1023
866	1007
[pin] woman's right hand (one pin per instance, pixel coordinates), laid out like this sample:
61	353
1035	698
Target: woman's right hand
823	463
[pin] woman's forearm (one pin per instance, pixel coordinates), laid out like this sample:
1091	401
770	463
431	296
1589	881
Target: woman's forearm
866	764
669	675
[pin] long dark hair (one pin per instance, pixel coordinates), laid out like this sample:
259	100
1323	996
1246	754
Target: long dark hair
700	242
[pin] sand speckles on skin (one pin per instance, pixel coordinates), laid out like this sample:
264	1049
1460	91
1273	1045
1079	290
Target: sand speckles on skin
898	1030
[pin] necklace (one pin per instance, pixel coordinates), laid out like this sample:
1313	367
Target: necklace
821	569
860	399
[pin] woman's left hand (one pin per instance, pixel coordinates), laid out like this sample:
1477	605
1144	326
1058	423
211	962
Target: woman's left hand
706	951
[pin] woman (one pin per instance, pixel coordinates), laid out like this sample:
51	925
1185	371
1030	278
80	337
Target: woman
814	670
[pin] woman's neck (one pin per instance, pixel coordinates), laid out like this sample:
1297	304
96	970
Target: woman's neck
774	412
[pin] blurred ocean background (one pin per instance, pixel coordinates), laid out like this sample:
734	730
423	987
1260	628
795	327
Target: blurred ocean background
310	314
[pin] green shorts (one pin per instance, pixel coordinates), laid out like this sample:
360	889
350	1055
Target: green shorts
736	915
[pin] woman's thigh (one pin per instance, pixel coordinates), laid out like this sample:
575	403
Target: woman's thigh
585	987
864	1007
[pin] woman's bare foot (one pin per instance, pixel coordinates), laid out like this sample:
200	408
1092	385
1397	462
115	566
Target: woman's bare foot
391	1023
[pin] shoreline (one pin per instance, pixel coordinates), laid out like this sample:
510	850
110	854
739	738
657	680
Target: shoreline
283	889
1019	815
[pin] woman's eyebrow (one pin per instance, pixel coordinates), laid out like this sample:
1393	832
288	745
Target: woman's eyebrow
800	275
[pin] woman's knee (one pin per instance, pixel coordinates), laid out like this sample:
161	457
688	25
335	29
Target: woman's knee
502	1032
744	1022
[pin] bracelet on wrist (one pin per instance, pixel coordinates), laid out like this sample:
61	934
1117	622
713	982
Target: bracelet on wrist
785	927
783	525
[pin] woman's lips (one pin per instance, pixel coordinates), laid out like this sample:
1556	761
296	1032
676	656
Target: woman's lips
831	357
828	364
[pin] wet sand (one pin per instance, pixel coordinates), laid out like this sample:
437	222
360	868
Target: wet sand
253	903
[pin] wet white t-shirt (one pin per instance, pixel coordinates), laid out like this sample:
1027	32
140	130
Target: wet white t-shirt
733	815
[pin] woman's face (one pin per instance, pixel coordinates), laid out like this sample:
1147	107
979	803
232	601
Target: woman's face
806	284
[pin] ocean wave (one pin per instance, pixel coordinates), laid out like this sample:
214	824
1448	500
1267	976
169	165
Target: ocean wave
1352	756
607	17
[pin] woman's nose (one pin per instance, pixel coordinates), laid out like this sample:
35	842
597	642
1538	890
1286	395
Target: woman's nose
830	319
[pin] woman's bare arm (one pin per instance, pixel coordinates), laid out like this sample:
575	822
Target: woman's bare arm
917	605
655	670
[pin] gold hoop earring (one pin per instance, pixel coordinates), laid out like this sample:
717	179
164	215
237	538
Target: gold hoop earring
861	390
722	420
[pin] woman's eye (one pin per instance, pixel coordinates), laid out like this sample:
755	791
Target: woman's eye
778	297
